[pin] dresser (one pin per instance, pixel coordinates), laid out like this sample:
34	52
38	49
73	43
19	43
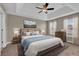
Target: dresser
61	35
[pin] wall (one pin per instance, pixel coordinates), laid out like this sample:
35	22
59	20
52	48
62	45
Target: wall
77	40
17	21
60	25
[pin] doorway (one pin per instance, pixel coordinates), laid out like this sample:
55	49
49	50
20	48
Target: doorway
1	31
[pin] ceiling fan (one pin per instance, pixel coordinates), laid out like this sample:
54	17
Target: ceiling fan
44	8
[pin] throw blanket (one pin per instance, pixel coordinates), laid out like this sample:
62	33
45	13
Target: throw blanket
26	42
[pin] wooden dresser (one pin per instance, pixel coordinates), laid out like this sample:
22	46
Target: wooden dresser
61	35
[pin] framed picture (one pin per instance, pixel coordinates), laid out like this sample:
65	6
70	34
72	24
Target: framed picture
29	24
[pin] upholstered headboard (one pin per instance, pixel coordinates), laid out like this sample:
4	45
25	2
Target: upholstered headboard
30	30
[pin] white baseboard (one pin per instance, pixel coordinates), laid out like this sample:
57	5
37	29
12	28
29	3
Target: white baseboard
6	44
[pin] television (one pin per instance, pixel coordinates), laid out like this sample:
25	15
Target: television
29	24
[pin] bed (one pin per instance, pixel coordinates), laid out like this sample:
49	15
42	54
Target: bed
33	45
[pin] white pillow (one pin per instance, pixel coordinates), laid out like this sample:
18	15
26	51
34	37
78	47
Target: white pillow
35	33
28	33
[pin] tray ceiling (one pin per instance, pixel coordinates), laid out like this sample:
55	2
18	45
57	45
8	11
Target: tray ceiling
29	10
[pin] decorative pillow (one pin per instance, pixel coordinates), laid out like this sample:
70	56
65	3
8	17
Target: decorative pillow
23	33
26	33
35	33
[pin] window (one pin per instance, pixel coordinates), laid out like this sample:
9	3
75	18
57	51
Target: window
52	28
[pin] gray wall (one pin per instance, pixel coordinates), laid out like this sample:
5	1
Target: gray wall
59	24
77	39
17	22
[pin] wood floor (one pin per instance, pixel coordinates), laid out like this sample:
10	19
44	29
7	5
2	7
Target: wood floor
68	50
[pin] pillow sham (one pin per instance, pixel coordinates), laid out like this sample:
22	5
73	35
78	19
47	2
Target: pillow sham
23	34
26	33
35	33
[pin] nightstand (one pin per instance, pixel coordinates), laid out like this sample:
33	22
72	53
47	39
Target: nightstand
16	39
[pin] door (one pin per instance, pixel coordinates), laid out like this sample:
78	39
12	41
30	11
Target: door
0	34
1	30
71	27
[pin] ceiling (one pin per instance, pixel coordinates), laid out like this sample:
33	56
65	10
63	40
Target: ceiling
30	10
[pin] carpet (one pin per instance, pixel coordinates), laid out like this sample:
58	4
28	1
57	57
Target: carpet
11	50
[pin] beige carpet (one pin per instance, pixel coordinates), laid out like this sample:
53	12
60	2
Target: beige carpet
0	52
10	50
58	50
73	50
70	50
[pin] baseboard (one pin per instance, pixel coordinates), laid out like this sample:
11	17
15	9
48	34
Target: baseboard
6	44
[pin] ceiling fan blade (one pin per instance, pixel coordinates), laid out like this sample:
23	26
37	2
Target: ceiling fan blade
39	7
46	4
50	8
40	11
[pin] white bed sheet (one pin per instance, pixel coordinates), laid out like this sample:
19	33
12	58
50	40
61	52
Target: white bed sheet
41	45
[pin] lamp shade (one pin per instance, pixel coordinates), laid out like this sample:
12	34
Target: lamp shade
16	31
43	31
